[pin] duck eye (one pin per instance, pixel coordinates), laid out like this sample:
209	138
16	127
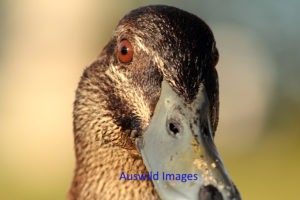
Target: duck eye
125	51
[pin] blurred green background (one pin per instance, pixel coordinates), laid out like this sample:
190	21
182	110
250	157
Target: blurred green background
46	44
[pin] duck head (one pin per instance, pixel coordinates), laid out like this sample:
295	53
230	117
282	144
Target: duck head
149	103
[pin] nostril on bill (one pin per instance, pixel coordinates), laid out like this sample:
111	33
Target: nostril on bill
173	128
209	192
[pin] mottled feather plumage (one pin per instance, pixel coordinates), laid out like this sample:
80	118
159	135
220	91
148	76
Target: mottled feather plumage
113	99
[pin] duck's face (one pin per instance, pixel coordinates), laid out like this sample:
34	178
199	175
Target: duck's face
158	82
162	44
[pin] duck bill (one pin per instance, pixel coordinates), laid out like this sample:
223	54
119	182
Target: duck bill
179	152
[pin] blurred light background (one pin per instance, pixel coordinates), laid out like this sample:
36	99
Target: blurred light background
45	46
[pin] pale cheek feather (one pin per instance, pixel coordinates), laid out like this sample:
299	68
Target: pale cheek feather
133	94
139	42
156	58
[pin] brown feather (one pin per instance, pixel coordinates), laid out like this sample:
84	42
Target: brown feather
115	101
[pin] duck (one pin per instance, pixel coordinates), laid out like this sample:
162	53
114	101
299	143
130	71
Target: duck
146	112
